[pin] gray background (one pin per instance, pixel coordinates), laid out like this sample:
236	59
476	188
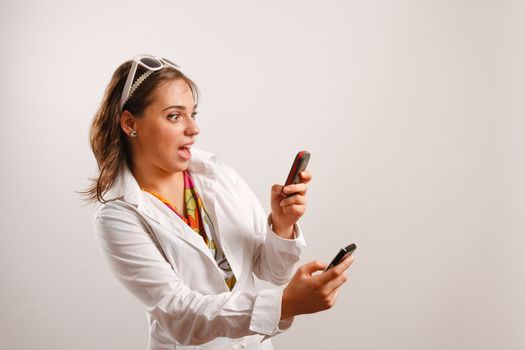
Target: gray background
413	112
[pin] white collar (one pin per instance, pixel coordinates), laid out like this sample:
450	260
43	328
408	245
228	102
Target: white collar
127	188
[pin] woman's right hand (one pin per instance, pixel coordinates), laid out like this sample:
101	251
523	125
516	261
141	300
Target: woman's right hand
307	293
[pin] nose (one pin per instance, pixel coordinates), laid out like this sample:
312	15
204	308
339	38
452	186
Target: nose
191	127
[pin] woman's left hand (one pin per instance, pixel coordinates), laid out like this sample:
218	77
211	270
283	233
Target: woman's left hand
287	210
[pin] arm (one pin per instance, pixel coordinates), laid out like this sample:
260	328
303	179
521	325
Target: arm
188	316
310	290
274	257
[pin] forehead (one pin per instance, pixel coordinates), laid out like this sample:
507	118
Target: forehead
173	92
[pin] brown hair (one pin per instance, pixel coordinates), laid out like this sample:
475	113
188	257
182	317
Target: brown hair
108	140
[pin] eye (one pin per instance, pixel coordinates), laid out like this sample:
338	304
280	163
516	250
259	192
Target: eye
194	115
174	117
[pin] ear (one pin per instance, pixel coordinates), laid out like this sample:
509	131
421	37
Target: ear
128	122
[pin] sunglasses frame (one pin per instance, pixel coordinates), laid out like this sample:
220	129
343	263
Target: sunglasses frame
130	87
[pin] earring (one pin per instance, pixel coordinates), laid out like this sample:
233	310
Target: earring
133	133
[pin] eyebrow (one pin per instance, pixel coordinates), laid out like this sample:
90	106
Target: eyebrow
178	107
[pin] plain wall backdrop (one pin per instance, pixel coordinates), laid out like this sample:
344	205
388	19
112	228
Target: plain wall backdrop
413	112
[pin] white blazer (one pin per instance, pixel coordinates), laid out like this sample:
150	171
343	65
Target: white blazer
169	268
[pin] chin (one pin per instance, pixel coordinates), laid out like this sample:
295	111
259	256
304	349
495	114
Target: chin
179	166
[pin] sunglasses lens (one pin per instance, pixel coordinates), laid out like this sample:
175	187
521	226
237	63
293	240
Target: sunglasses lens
152	63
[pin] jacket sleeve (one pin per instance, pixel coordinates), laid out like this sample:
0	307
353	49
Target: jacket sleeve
274	257
189	317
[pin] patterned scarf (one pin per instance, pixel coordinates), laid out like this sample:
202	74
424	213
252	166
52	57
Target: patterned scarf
196	217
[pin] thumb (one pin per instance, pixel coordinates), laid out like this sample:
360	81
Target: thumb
313	266
276	191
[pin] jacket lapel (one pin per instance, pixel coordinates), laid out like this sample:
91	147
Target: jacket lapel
159	212
202	171
206	182
206	188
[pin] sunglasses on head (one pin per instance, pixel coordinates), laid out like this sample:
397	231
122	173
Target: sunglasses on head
150	64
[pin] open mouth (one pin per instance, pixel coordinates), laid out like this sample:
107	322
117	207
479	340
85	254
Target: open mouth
184	152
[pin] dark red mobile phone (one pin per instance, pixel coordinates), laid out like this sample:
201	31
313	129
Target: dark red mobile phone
299	164
343	253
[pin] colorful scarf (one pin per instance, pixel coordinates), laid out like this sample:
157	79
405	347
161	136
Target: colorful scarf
195	216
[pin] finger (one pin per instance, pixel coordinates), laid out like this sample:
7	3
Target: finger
345	264
295	188
332	298
312	266
305	176
337	282
295	199
336	271
296	210
328	286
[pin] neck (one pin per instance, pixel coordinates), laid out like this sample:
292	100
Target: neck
158	180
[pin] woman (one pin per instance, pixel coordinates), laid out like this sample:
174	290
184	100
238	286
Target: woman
184	233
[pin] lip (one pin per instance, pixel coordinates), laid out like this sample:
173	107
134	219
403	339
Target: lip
187	144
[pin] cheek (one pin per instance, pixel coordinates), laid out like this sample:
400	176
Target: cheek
167	133
166	138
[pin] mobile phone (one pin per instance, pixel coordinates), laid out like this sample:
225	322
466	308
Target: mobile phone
343	253
299	164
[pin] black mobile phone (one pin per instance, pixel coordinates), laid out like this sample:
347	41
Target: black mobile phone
299	164
343	253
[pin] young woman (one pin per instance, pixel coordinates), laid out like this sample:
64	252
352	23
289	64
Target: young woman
184	233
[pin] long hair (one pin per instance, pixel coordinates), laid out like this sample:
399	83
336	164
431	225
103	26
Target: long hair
108	140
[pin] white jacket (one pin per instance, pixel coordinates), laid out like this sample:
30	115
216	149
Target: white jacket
188	303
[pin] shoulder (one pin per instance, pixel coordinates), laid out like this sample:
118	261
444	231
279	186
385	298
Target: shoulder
116	222
230	177
114	209
207	163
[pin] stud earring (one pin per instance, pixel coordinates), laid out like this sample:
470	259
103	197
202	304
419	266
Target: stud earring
133	133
